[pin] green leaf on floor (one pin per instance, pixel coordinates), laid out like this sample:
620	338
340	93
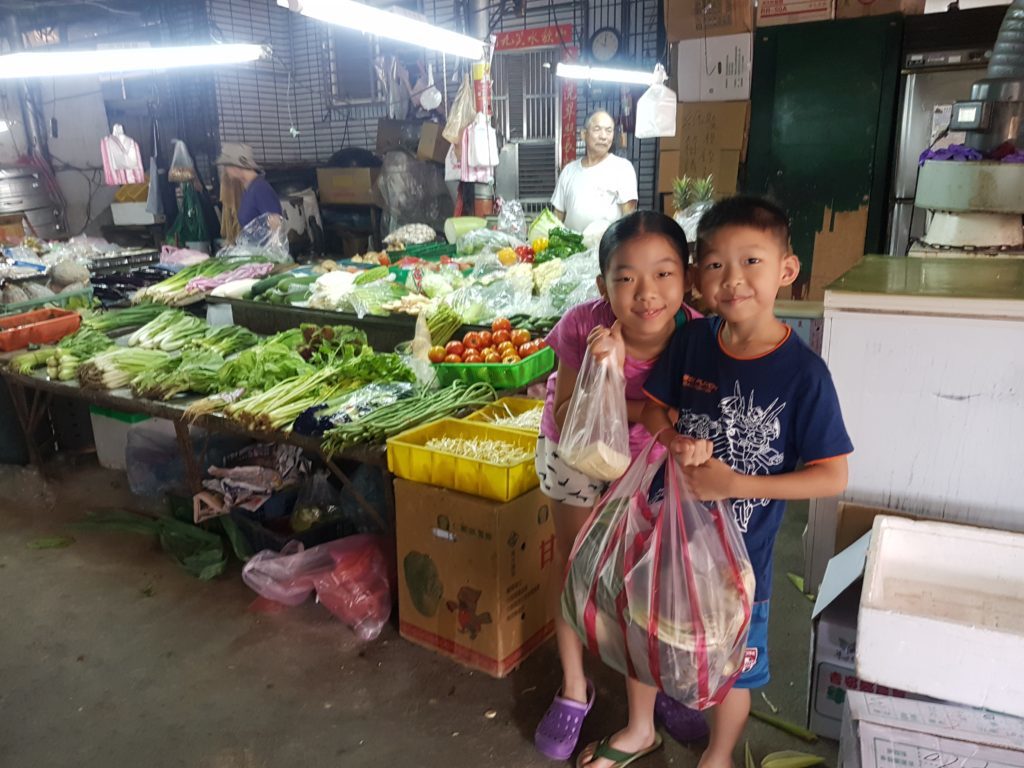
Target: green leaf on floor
784	725
791	759
51	542
798	581
748	756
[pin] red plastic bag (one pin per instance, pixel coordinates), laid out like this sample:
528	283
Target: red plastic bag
662	590
352	578
357	588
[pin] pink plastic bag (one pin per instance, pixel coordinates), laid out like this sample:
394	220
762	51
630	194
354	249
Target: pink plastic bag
352	578
662	590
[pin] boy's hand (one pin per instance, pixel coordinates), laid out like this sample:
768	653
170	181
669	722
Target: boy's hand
604	342
689	452
714	480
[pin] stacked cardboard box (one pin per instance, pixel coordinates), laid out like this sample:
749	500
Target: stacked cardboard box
474	574
711	63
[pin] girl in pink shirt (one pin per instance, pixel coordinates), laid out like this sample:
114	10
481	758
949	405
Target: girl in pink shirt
643	261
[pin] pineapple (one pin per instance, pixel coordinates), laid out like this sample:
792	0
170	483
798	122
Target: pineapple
682	193
686	191
703	189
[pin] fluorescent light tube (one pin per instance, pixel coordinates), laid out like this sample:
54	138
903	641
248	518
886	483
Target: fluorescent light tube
604	74
117	60
374	21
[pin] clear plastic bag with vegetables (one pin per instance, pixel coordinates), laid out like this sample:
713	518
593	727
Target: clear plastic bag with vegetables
263	236
486	241
318	502
576	283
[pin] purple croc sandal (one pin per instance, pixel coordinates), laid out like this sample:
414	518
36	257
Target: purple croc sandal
559	729
679	721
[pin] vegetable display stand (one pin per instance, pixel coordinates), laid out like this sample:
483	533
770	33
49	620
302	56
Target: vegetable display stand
409	458
498	375
41	326
507	406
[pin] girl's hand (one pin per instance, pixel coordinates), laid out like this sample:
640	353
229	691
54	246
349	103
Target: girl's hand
713	480
605	342
689	452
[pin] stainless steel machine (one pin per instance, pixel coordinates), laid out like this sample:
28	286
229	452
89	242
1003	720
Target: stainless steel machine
943	55
976	205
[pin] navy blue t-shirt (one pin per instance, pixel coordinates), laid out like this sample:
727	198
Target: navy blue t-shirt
764	416
258	198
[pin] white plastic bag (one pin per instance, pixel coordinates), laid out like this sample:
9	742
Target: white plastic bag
595	437
483	142
656	109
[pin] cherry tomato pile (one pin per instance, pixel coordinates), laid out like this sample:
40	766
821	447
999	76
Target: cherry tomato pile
501	344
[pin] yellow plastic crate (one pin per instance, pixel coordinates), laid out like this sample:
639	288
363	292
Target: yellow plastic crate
503	407
409	458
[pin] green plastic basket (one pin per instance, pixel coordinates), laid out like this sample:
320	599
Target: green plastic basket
498	375
426	251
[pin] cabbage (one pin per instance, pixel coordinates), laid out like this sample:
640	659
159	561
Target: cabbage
543	224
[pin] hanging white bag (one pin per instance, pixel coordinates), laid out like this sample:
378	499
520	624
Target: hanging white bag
483	143
656	109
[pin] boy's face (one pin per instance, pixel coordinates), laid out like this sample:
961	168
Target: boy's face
740	271
644	284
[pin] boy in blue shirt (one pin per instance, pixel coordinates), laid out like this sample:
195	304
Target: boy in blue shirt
758	423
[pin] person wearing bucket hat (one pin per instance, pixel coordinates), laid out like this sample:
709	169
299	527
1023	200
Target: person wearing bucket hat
258	197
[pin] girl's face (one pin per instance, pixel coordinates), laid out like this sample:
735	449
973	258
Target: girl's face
645	283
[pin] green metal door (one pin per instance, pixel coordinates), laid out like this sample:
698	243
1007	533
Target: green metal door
822	125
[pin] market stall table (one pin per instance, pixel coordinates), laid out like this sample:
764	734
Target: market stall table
31	396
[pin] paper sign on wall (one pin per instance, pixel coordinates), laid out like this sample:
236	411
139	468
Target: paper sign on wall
715	68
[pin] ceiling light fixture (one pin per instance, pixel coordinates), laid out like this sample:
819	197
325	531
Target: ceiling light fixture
120	60
604	74
395	26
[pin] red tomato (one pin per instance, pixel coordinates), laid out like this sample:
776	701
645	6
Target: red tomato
520	336
452	359
542	344
436	354
454	348
506	348
501	324
472	357
527	349
485	339
500	337
510	359
492	357
472	340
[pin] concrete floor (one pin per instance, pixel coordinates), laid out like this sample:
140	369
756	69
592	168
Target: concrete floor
111	655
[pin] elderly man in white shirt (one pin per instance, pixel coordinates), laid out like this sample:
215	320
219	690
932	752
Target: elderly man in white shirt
598	187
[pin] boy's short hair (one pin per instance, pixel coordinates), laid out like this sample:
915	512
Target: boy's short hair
742	211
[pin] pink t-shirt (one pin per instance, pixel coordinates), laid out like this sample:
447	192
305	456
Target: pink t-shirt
569	340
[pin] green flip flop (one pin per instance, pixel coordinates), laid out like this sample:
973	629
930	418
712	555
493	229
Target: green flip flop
620	759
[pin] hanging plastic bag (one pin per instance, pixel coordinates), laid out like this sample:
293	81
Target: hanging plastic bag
189	226
461	114
656	109
595	437
182	168
483	143
662	590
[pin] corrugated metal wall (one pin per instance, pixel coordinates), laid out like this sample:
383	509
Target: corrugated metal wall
258	104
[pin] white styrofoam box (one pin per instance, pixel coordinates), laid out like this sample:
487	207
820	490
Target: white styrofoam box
882	732
132	213
942	612
110	435
715	68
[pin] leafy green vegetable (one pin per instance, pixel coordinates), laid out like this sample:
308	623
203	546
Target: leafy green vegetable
543	224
